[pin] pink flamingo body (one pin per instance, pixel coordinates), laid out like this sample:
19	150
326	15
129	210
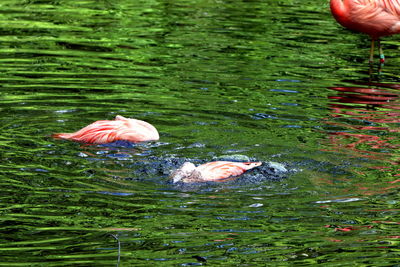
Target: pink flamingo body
216	171
377	18
106	131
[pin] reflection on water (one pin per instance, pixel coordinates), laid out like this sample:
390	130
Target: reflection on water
216	79
363	123
365	116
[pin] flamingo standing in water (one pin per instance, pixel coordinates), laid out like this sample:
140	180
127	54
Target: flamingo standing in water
377	18
216	171
105	131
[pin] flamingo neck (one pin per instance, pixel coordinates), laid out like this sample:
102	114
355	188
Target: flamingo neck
340	10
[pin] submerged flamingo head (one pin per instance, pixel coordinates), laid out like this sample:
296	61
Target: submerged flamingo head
183	172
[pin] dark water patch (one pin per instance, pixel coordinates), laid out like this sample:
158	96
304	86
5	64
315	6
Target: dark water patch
163	167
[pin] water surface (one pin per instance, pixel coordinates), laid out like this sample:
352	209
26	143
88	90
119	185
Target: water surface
273	80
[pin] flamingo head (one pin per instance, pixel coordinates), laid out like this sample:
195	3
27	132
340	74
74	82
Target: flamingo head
183	172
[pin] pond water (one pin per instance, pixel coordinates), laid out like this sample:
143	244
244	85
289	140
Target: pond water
276	81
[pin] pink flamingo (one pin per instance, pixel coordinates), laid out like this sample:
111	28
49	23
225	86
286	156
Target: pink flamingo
105	131
377	18
216	171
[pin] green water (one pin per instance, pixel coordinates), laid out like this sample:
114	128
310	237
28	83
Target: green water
215	78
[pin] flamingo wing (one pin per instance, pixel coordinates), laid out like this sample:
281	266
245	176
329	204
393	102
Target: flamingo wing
219	170
99	132
390	6
106	131
374	17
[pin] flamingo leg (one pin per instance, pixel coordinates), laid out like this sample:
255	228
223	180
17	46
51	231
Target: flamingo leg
371	52
381	57
371	57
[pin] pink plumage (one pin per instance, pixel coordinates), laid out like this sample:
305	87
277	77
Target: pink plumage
216	171
377	18
107	131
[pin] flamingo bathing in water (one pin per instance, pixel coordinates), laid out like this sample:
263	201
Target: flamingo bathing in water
377	18
216	171
105	131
